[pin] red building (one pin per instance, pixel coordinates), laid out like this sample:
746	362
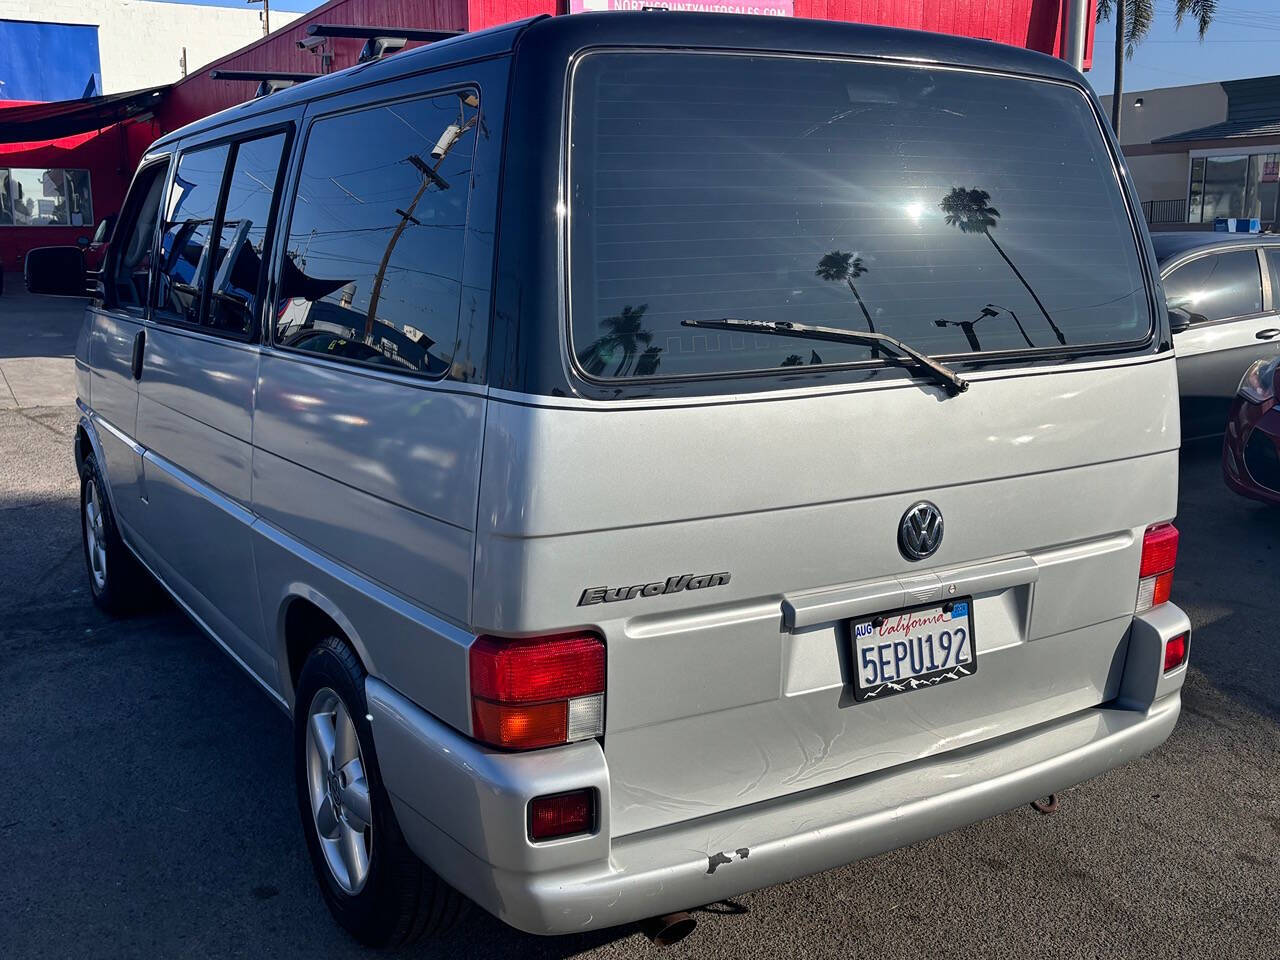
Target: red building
106	136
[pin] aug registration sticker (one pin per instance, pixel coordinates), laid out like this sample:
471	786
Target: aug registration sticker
912	649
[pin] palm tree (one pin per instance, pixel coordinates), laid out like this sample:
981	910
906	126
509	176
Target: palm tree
793	360
972	213
839	265
647	365
623	335
1133	21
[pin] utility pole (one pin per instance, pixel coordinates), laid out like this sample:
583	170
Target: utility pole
1077	17
430	175
266	15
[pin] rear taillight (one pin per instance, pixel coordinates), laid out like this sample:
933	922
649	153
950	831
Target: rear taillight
537	692
562	815
1159	556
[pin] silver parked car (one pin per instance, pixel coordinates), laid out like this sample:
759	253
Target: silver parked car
1223	294
650	457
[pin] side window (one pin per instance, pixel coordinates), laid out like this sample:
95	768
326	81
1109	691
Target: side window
237	266
188	223
129	284
1273	263
373	264
1216	287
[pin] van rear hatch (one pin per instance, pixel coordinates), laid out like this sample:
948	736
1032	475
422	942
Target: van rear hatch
733	521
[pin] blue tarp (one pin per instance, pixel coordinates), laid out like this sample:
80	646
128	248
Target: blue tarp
48	61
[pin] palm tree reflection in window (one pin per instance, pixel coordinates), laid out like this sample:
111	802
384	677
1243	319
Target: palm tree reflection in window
622	340
839	265
971	211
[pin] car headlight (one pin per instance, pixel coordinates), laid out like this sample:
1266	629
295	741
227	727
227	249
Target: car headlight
1258	385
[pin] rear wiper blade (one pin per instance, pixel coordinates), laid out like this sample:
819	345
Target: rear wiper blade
909	356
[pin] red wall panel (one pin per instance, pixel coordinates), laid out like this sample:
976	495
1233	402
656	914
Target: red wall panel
1025	23
198	96
110	156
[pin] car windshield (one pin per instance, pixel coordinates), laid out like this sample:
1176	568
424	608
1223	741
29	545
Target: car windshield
958	211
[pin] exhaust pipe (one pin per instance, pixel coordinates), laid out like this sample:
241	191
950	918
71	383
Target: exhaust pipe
669	928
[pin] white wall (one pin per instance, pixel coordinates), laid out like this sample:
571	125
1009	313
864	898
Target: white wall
1168	110
140	41
1161	176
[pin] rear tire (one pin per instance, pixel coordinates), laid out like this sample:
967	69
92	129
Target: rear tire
120	585
373	884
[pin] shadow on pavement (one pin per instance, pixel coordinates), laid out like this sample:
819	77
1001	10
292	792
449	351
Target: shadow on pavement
37	326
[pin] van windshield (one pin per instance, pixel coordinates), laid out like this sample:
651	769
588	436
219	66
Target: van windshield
960	212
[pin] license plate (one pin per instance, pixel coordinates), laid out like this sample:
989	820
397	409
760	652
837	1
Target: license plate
912	649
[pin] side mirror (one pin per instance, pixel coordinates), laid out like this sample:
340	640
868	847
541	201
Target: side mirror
1179	320
58	271
105	225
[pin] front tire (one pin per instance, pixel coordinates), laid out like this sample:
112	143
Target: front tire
373	884
119	583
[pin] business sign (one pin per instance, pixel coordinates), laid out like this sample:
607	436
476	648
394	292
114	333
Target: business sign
763	8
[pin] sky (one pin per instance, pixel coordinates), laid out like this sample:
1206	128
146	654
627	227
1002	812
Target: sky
1244	41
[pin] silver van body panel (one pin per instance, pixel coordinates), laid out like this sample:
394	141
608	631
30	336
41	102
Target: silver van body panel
108	340
417	514
380	471
1045	503
195	420
568	886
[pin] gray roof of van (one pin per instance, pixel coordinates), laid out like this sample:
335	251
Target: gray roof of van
711	30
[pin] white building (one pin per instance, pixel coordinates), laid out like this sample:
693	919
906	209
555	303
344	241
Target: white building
141	42
1204	151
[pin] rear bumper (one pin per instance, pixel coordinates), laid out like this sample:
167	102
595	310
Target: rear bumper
462	807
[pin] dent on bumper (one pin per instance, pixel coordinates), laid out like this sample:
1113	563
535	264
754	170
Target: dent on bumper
462	807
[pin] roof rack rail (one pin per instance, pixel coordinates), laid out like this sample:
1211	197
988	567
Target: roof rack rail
269	81
379	41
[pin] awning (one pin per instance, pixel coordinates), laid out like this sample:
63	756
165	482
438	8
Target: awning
62	118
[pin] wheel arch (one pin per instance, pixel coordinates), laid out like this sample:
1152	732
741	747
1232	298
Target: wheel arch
305	616
87	442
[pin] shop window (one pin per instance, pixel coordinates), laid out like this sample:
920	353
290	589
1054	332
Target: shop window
53	197
1195	205
1224	187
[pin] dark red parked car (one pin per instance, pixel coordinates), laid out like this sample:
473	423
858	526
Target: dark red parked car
1251	450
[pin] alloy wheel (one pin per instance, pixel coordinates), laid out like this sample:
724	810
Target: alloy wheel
339	791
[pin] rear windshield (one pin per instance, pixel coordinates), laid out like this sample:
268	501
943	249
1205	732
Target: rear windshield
961	212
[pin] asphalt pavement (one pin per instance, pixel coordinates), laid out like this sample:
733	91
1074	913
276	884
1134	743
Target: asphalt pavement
146	804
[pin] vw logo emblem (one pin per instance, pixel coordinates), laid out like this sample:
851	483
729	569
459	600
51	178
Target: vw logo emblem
920	532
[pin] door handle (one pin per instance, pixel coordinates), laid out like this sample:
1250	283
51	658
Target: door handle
1269	334
140	344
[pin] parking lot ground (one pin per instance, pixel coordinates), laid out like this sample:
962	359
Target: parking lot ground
146	801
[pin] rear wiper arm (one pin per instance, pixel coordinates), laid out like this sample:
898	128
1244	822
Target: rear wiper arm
909	356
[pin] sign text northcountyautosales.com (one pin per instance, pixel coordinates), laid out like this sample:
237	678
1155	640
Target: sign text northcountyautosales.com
770	8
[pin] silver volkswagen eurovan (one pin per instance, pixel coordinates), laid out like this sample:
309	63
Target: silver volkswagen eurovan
650	456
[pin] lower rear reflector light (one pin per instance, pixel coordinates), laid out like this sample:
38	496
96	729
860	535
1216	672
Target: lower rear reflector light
1175	652
562	815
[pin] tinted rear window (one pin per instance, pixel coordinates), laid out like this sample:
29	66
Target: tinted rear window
958	211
